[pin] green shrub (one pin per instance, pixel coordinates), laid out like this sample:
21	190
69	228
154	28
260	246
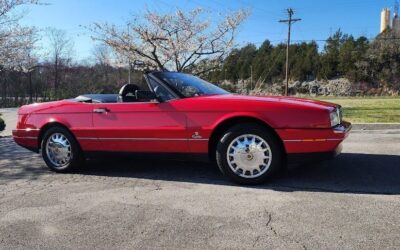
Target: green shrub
2	124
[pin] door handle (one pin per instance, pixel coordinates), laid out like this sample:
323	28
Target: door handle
101	110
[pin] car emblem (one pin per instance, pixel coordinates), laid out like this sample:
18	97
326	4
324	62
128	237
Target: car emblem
196	135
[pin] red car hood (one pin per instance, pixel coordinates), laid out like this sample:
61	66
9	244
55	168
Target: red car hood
277	99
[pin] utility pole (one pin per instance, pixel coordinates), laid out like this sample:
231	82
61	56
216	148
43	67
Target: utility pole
129	57
251	78
289	21
129	70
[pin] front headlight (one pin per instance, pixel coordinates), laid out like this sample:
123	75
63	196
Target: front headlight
336	116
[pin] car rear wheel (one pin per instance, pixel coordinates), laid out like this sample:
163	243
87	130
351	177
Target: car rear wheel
60	150
248	154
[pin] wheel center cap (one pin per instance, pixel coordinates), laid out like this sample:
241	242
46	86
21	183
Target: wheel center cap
249	157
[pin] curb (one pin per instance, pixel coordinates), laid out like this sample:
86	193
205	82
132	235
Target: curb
375	126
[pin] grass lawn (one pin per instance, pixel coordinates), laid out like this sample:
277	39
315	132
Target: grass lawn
368	109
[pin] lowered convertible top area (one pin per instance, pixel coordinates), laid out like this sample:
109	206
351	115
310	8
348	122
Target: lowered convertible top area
97	98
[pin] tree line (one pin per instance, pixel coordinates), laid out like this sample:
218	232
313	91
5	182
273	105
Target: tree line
375	62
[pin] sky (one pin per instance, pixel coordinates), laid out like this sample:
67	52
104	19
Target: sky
320	18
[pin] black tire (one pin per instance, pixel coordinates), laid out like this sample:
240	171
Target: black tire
245	129
77	158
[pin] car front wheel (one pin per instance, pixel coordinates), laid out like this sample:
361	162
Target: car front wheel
248	154
60	150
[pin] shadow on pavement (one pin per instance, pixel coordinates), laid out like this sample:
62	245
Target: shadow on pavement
348	173
17	163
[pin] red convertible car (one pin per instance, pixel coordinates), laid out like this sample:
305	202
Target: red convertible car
250	137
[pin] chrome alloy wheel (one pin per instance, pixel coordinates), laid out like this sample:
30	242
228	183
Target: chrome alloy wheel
249	156
58	150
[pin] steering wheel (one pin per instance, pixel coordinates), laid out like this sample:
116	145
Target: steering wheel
127	93
162	93
159	92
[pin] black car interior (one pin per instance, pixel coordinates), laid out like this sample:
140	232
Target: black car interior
132	93
128	93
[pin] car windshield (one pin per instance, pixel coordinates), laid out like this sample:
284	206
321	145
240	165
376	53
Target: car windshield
189	85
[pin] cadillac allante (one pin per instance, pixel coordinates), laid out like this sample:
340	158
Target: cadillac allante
249	137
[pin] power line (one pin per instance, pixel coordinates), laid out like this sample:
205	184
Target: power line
316	40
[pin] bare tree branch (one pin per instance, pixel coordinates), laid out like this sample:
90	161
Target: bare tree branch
60	52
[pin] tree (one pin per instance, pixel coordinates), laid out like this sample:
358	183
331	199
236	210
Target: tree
172	41
383	60
230	70
261	59
330	57
351	52
28	66
60	53
13	37
246	57
275	69
102	55
103	59
304	61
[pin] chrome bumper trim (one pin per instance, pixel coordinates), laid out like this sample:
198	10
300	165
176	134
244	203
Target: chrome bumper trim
26	129
313	140
142	139
25	137
342	128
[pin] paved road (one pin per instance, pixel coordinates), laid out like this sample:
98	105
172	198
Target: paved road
9	115
130	203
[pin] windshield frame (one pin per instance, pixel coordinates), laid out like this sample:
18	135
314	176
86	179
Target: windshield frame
175	90
149	77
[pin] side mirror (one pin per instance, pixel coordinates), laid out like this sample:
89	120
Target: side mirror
138	63
145	96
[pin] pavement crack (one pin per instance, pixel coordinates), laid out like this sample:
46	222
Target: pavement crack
269	220
268	224
256	240
272	229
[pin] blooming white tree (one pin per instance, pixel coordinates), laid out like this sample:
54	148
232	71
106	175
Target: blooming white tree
14	39
172	41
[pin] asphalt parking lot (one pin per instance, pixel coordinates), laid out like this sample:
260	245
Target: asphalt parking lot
351	202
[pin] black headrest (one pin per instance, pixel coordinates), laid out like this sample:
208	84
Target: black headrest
128	88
